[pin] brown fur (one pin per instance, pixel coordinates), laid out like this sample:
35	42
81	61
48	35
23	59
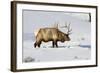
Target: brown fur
50	34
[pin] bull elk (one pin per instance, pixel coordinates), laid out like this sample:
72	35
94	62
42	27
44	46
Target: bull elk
52	34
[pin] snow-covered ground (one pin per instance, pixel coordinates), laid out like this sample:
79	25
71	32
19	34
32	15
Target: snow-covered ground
66	51
79	48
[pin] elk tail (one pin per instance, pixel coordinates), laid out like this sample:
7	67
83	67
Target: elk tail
36	32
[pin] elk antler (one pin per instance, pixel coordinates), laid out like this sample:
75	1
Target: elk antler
56	25
68	27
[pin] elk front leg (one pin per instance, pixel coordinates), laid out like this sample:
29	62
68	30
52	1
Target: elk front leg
56	44
53	44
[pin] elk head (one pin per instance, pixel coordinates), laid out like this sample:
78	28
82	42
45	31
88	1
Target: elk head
68	31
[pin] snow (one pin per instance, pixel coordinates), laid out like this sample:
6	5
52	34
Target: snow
64	52
79	48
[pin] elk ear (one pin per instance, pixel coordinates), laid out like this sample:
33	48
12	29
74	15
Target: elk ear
67	34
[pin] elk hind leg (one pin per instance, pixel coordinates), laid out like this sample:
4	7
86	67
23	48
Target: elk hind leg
35	44
39	43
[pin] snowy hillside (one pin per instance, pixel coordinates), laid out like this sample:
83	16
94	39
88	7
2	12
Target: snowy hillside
79	48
